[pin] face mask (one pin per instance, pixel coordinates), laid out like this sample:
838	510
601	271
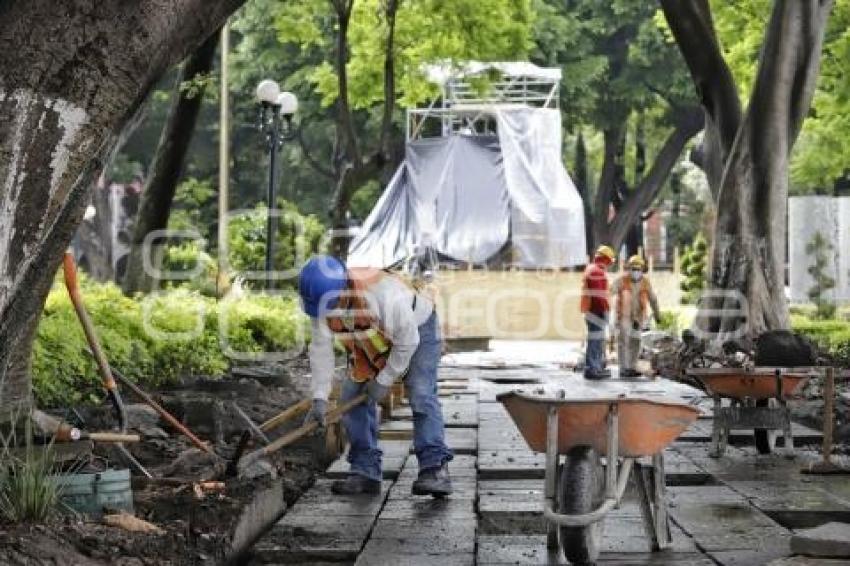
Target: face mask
637	275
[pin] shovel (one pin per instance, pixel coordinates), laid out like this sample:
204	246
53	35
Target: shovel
239	461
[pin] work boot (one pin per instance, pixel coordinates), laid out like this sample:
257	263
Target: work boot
597	374
434	482
628	372
355	484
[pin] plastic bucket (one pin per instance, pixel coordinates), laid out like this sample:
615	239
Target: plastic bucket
89	494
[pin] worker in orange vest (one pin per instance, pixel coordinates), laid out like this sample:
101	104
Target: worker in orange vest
390	332
634	298
595	307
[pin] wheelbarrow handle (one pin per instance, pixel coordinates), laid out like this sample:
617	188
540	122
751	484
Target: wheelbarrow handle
299	433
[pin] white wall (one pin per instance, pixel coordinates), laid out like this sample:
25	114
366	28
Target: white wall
831	217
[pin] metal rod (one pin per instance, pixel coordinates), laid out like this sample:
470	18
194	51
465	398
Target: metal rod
828	413
254	428
168	417
133	461
613	441
551	452
271	220
597	515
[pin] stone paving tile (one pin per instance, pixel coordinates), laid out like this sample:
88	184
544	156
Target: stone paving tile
321	527
532	551
395	454
793	504
724	524
510	464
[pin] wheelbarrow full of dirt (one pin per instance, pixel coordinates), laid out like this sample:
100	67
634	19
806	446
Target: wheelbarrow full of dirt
757	400
594	423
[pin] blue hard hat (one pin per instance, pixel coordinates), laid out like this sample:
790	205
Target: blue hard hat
320	283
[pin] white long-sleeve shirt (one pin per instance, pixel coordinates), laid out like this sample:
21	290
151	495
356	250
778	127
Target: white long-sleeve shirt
390	300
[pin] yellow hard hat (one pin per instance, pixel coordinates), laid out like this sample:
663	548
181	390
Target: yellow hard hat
637	261
606	251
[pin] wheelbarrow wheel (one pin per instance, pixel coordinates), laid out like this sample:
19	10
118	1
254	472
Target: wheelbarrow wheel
581	490
765	437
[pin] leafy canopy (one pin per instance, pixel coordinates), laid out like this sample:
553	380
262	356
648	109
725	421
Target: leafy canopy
426	31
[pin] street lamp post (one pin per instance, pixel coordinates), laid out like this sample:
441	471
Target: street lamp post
275	121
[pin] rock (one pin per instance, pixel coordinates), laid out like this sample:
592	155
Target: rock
195	463
783	348
831	540
258	469
141	416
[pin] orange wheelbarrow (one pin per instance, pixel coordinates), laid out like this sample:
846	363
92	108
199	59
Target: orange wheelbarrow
620	425
758	401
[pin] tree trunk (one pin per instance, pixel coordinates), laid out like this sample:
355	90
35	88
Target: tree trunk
582	181
748	257
688	123
167	168
72	73
693	28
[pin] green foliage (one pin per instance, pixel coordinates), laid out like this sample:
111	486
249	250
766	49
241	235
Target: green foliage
27	490
153	340
694	265
821	154
298	238
833	335
669	322
427	31
818	248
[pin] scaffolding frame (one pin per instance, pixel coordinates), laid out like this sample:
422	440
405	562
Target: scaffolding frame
464	107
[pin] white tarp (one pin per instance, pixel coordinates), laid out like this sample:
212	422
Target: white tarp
465	196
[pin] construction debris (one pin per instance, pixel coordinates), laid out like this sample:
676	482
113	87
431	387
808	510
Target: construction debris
131	523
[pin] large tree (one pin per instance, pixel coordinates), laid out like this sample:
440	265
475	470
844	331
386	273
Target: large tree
619	74
72	74
747	154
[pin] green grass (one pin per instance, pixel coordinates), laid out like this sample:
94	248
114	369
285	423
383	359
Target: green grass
27	491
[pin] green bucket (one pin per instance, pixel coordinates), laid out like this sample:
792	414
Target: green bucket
89	494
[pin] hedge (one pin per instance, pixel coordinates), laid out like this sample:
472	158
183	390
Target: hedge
155	339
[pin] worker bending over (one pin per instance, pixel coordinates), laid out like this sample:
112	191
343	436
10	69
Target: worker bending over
390	332
634	297
595	307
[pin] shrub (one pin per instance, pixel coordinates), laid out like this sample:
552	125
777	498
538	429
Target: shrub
823	283
152	339
832	336
693	267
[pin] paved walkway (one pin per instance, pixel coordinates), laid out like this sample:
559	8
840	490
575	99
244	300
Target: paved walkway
739	510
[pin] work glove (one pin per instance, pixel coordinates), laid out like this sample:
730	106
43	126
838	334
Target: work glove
376	391
318	412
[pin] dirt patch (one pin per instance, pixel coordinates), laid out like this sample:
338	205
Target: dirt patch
198	526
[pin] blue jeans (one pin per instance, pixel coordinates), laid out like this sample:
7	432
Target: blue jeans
594	358
429	444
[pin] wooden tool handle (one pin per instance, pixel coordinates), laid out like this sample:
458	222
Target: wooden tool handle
292	412
112	437
299	433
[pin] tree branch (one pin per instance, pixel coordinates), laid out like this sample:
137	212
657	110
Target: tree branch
645	193
693	28
349	146
312	161
390	11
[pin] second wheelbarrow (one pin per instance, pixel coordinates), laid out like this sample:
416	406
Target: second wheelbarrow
758	400
576	430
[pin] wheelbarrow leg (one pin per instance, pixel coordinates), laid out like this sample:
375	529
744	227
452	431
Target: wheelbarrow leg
786	430
652	497
717	429
552	474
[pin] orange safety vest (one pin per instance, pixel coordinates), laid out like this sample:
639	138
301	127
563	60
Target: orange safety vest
357	329
624	297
